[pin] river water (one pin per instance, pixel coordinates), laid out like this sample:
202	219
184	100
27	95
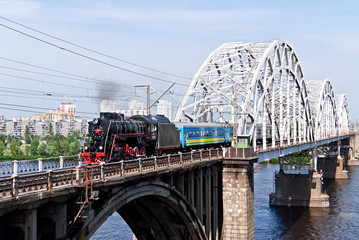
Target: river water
339	221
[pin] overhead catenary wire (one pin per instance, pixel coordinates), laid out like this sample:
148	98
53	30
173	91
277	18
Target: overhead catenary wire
93	51
42	108
54	83
88	57
85	79
30	111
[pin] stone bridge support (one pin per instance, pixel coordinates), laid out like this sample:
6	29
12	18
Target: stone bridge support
304	190
332	162
238	198
354	140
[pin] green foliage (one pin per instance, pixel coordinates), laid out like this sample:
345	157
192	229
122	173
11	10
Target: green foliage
15	148
2	148
41	150
27	135
33	146
50	146
274	161
51	129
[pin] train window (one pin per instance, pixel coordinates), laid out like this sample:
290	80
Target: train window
216	133
190	134
197	133
212	132
202	133
207	133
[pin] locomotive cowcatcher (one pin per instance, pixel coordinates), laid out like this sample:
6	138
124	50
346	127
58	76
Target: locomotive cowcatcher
112	137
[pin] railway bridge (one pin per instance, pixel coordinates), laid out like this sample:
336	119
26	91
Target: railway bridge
207	193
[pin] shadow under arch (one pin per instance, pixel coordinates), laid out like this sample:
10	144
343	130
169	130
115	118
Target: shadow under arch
153	210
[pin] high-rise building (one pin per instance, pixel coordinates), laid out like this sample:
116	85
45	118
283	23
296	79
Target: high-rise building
67	108
135	108
164	108
108	106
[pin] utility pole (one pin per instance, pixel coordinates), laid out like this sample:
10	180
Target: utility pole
148	99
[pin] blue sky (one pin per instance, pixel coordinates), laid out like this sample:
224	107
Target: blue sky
172	36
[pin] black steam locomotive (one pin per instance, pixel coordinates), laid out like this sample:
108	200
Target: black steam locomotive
112	137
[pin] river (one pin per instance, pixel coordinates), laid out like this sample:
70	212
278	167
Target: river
339	221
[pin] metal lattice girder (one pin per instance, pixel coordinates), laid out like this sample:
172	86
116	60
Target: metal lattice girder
342	113
323	107
255	85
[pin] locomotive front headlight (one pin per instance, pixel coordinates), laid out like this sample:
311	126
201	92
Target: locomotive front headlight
86	147
95	121
100	147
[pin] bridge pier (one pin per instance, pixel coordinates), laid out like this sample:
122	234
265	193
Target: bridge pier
238	199
352	161
332	162
304	190
332	167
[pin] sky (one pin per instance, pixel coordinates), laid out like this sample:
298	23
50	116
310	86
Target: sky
174	37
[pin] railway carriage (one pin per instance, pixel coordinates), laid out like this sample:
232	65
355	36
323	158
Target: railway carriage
199	135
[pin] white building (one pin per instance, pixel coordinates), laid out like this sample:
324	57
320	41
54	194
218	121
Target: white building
164	108
108	106
67	108
17	127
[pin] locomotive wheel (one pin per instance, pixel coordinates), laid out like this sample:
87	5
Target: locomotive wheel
135	151
143	151
130	151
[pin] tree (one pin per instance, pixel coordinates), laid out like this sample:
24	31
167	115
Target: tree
41	150
15	148
27	135
51	130
3	138
33	146
74	148
2	148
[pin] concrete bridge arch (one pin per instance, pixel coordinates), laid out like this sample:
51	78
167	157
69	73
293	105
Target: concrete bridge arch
152	209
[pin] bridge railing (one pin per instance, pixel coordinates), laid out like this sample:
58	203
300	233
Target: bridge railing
15	186
13	168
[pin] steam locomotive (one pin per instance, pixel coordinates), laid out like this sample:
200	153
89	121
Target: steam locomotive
112	137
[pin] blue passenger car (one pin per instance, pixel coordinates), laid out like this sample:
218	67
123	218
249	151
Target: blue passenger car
196	135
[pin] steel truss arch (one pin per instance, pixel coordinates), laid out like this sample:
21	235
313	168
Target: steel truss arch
323	107
341	102
257	86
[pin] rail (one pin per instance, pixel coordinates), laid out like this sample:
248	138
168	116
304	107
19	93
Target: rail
18	185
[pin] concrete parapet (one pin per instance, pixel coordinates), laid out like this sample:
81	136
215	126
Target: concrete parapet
304	190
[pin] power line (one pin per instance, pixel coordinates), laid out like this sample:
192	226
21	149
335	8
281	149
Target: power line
58	84
93	51
88	57
23	110
85	79
52	94
25	106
